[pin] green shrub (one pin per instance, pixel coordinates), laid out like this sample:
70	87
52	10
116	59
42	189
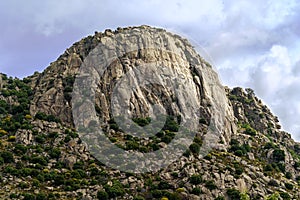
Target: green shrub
239	169
35	183
13	196
142	121
164	185
274	196
269	145
40	139
23	185
289	186
237	149
273	182
238	152
39	160
59	179
195	148
278	155
28	196
220	198
244	196
45	117
288	175
210	184
7	156
202	121
280	166
249	130
196	179
41	116
157	193
114	127
196	191
41	196
296	165
132	145
102	195
285	195
55	153
53	135
115	190
166	139
79	165
233	194
171	124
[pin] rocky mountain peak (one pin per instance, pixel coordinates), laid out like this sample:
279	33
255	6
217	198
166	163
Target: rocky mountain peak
148	91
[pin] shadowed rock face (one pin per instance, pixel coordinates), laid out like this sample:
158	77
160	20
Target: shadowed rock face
165	71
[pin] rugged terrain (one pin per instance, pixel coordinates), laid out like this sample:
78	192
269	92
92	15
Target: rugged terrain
43	155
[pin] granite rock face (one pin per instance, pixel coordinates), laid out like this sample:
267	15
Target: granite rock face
182	81
239	150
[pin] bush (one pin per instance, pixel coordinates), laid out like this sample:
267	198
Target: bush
164	185
238	168
45	117
269	145
28	196
202	121
195	148
249	130
39	160
41	196
40	139
41	116
142	121
196	179
13	196
55	153
132	145
102	195
196	191
115	190
157	193
220	198
238	153
279	167
7	157
289	186
288	175
233	194
166	139
171	124
274	196
20	149
273	182
210	185
278	155
285	195
237	149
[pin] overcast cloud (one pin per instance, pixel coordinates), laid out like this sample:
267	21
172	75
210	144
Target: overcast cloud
252	43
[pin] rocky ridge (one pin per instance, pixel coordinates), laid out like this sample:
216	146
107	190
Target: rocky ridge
43	157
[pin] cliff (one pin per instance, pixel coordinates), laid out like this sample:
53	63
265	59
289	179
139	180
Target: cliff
136	113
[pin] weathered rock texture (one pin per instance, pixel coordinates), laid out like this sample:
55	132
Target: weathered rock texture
130	49
252	158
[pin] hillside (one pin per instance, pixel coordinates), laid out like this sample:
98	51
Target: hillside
214	142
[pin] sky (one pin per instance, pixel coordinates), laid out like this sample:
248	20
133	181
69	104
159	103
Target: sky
250	43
